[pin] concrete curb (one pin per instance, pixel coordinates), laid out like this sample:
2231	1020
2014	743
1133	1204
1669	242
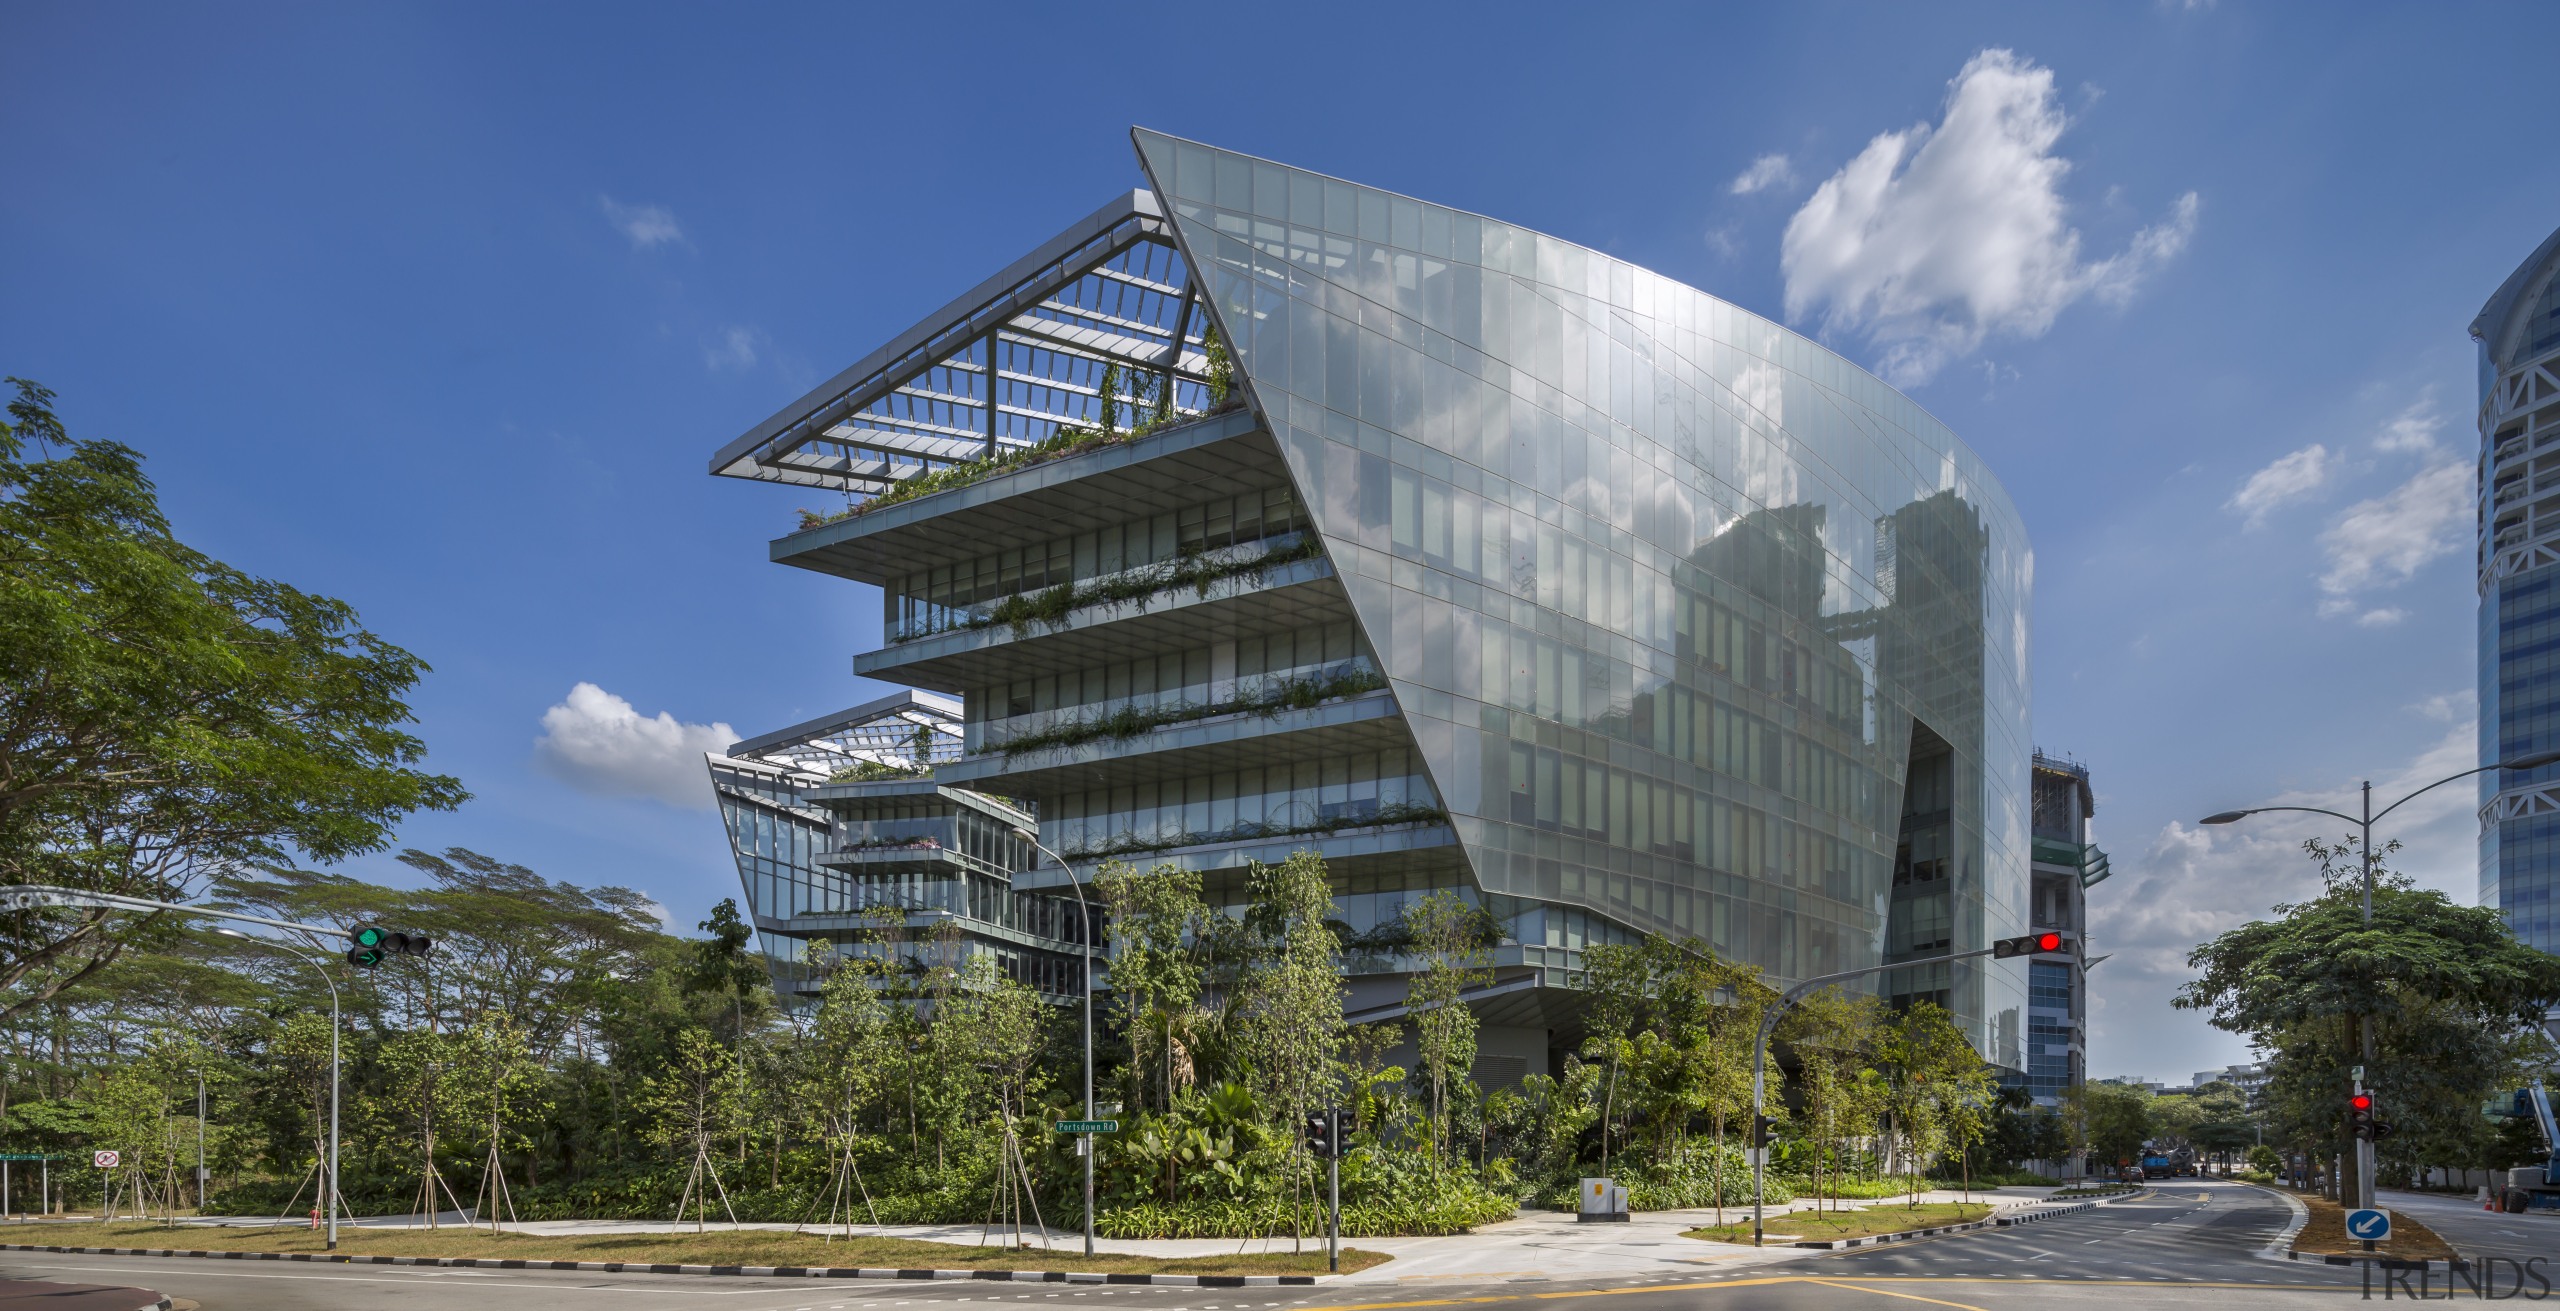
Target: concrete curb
2027	1215
2379	1261
2281	1247
648	1268
2024	1216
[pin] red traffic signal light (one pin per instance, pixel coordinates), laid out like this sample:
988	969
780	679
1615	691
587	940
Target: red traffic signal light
2361	1102
2047	943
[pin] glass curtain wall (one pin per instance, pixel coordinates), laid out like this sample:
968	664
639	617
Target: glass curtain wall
1662	588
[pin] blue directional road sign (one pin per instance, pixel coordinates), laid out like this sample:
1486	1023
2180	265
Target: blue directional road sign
2371	1226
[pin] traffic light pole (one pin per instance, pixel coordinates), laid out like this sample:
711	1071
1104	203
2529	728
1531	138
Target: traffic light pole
1760	1054
1333	1199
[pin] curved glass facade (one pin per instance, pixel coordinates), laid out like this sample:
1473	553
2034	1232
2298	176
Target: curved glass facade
1696	625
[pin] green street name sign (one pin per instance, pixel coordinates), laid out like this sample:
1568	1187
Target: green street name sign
1088	1126
27	1156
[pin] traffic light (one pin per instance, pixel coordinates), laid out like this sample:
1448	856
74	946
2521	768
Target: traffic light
2360	1116
1327	1133
2047	943
1764	1131
1319	1134
375	944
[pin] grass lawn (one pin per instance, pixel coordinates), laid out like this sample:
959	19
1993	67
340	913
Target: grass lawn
1808	1227
739	1247
2326	1235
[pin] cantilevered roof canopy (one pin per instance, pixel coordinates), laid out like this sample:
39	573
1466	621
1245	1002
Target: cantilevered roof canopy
882	732
1110	290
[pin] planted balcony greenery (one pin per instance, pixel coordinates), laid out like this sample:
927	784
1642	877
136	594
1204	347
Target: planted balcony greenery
1155	401
1130	721
876	771
1130	844
1050	606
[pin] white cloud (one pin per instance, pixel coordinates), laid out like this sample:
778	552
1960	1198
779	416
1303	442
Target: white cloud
1765	172
2383	541
647	226
595	741
2289	478
2446	707
1933	238
734	348
2413	430
2384	617
1725	241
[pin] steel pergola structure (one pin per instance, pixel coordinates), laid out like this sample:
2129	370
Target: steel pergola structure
1005	366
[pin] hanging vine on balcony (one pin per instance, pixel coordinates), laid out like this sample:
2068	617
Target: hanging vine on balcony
1130	721
1387	816
1049	607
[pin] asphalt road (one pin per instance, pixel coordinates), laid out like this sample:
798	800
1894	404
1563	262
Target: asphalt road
2190	1246
2475	1232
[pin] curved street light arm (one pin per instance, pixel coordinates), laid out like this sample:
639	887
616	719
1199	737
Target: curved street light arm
2307	810
2433	786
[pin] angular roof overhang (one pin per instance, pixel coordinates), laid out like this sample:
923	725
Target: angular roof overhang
883	732
1002	367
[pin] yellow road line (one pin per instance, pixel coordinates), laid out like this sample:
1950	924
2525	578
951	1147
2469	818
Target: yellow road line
1887	1292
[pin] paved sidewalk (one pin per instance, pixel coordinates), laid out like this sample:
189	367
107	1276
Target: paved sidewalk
1536	1245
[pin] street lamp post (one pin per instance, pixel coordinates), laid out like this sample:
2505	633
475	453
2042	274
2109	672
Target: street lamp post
329	1189
1087	934
2364	825
199	1074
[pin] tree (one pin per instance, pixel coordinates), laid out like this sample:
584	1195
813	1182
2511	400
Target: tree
1156	977
1933	1076
495	1090
2454	999
1449	937
698	1097
2110	1120
1834	1034
1292	1019
163	715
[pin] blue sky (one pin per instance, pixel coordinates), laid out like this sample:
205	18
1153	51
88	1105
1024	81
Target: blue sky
443	309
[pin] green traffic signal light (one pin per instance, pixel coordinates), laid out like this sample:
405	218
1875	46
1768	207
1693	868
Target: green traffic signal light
375	944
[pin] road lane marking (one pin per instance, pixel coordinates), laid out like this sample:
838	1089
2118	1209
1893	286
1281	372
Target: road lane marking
1887	1292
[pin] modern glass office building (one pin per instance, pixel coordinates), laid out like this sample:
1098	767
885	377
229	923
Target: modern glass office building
840	829
2519	562
1271	512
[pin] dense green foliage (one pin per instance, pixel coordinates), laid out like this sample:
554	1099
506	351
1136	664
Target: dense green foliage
163	715
2454	999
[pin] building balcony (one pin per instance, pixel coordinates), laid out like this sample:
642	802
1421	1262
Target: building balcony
1427	848
1222	454
1297	595
2083	859
1366	722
